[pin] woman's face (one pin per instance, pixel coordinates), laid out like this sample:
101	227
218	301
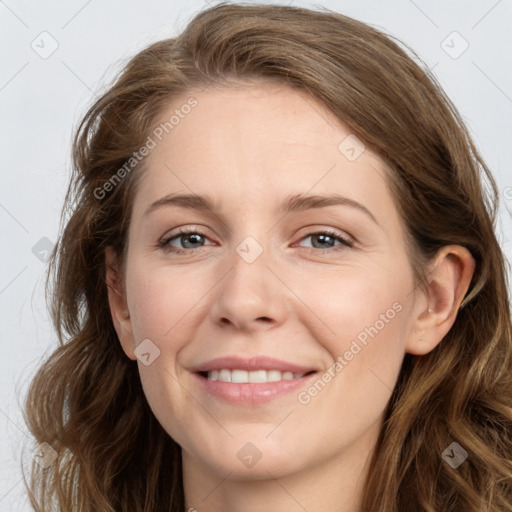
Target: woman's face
306	284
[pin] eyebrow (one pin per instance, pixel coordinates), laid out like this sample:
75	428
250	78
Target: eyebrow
293	203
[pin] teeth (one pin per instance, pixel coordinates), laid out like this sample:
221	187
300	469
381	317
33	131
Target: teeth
273	375
256	376
225	375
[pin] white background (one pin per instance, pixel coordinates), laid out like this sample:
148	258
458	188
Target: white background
41	101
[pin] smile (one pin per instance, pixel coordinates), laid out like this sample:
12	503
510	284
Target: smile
234	387
255	376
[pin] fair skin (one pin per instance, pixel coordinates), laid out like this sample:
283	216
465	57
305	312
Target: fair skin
304	299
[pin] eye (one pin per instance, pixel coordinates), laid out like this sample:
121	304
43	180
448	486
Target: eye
189	238
327	239
192	239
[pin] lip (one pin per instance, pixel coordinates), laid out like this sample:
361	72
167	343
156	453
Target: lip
250	393
251	363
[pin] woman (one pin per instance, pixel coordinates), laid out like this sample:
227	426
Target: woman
340	336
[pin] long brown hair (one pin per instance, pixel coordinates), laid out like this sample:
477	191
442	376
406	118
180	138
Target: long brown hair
86	400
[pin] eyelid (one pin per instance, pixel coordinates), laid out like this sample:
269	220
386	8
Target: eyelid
344	242
335	232
177	232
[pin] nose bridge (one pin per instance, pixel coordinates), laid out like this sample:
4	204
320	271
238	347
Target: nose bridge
249	291
249	276
251	238
250	249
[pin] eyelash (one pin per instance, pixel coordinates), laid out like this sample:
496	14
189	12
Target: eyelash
164	243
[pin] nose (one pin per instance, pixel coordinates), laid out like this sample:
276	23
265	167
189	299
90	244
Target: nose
250	296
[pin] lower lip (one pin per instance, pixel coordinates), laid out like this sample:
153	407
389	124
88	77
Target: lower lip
250	393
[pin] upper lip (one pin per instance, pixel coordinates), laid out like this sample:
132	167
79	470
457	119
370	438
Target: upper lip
251	363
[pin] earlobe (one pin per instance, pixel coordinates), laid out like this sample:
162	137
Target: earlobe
118	305
436	311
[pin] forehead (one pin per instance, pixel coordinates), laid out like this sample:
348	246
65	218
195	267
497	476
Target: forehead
256	140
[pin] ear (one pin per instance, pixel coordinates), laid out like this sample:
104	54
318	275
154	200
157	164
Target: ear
435	312
118	305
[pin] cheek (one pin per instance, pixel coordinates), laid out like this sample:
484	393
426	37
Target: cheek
367	316
162	310
165	306
161	301
356	304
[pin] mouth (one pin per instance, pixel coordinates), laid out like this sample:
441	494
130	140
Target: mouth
261	376
251	388
250	381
